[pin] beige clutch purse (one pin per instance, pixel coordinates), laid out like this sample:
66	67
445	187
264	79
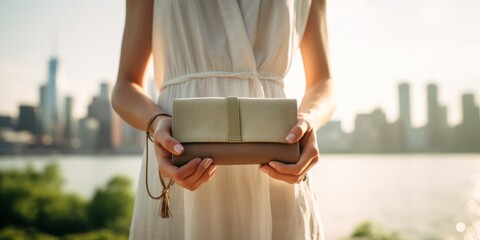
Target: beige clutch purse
235	130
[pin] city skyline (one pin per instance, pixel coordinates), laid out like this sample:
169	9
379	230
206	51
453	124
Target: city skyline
293	92
48	97
50	126
373	46
373	133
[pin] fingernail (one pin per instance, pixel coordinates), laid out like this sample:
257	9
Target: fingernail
207	162
264	170
272	164
290	137
178	148
195	161
210	172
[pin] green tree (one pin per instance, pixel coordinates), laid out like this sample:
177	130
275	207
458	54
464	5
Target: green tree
33	199
35	207
111	206
368	231
11	233
96	235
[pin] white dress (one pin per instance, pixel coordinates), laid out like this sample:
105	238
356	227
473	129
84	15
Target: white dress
205	48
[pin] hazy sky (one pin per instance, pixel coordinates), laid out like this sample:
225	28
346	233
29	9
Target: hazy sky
374	44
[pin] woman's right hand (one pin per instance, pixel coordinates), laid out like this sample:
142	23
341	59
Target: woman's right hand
191	175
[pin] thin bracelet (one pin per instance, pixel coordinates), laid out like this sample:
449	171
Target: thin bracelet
164	208
147	131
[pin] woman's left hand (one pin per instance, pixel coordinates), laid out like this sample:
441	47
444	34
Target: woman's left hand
304	132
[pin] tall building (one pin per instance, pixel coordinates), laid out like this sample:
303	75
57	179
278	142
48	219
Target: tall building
404	124
404	104
100	109
6	122
132	139
48	92
88	130
468	134
470	111
371	132
68	127
432	104
419	141
434	131
446	133
28	119
43	109
6	125
104	91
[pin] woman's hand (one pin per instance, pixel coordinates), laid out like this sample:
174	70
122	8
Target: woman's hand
304	132
191	175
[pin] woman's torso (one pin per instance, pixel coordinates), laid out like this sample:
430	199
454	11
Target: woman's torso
225	47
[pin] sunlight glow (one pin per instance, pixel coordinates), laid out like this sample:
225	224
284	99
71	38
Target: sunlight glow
460	227
295	78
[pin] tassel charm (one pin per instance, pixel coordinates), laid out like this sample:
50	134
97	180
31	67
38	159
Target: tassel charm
165	204
164	208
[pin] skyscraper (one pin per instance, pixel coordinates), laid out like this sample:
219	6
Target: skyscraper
100	109
434	134
432	104
404	104
104	91
43	109
404	125
68	130
468	138
50	108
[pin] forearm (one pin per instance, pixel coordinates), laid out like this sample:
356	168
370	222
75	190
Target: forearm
318	103
133	105
128	98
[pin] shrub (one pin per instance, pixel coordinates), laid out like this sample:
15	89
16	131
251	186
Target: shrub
33	202
111	207
368	231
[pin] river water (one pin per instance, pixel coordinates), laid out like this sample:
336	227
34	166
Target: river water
419	196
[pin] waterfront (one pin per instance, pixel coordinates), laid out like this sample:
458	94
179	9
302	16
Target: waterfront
420	196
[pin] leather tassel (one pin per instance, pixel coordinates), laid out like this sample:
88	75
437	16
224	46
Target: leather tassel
165	204
164	208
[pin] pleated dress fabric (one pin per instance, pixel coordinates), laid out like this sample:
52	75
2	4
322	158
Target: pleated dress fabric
216	48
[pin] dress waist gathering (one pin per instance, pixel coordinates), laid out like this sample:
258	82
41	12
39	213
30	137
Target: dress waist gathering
254	77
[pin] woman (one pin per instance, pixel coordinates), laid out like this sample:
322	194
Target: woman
225	48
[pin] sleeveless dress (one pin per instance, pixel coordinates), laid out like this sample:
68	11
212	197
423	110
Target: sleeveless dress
220	48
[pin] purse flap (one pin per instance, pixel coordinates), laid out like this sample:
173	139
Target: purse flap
232	119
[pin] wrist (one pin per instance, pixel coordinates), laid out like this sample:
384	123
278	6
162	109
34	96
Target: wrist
154	124
155	120
307	117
